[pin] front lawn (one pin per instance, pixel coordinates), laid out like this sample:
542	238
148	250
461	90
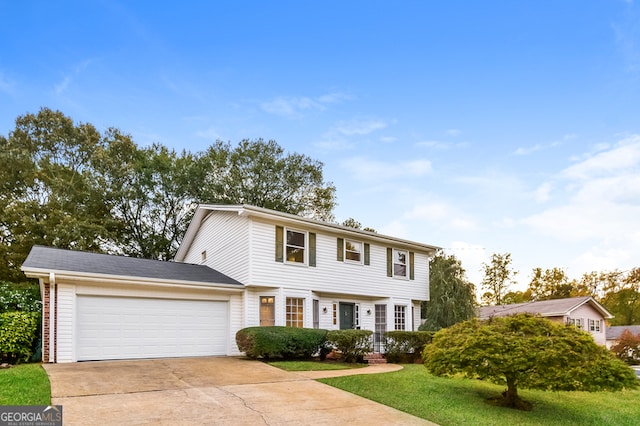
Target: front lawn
24	384
314	365
462	401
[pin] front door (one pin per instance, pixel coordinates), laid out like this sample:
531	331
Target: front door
346	316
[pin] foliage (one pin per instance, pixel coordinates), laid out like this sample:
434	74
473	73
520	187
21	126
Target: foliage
498	277
354	344
628	347
405	346
14	297
512	297
550	284
259	173
48	194
17	334
280	342
525	351
623	298
457	401
451	296
25	384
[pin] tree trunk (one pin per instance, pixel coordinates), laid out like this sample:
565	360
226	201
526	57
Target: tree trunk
511	398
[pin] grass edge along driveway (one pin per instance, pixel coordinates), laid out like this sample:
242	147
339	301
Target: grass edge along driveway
24	384
460	401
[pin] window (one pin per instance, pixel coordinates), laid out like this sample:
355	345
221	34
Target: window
380	326
267	311
353	251
594	325
295	246
400	258
204	256
576	321
400	317
356	315
335	314
295	312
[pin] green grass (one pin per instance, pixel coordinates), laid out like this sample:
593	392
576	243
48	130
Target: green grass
313	365
462	401
24	384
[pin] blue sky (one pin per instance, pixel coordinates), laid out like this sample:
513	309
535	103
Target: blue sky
480	127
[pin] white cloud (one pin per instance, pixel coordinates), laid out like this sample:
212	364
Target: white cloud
624	155
359	127
388	139
367	170
295	107
61	87
443	214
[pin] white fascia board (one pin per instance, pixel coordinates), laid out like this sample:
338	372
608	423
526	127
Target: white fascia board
72	276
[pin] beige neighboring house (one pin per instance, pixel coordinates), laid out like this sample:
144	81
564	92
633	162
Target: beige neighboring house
614	332
583	312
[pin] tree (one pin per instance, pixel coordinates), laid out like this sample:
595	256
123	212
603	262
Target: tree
498	277
259	173
516	297
48	192
352	223
628	347
452	296
622	298
550	284
525	351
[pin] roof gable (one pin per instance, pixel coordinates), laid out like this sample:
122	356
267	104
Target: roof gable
545	308
48	259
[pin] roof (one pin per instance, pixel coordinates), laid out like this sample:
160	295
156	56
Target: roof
48	259
614	332
203	210
545	308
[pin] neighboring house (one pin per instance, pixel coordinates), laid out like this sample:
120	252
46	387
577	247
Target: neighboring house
613	333
583	312
238	266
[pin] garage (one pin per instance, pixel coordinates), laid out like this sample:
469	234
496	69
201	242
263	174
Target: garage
131	327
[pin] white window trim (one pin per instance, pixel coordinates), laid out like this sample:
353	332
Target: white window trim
406	264
306	247
344	252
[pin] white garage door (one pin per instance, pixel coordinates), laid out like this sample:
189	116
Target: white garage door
128	327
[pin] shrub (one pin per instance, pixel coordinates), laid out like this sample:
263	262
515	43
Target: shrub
18	331
280	342
19	297
354	344
406	346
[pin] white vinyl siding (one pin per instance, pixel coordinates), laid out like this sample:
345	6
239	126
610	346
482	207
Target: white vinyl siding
330	276
66	326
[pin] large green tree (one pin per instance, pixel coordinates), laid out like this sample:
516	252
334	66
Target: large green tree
48	192
550	284
452	297
260	173
498	278
525	351
622	298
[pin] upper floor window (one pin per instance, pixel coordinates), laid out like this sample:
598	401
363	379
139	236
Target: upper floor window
295	246
400	261
594	325
576	321
353	251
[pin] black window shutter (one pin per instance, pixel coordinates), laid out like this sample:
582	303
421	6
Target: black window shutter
412	275
279	244
367	254
340	252
389	262
312	249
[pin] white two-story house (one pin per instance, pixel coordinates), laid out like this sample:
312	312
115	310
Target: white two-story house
238	266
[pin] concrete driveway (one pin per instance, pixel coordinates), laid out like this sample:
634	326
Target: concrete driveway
208	390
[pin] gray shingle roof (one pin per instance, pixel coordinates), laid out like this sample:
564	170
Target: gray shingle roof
614	332
59	260
545	308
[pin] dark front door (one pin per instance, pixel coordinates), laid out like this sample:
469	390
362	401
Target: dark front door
346	316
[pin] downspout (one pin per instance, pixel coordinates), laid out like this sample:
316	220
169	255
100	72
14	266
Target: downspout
52	316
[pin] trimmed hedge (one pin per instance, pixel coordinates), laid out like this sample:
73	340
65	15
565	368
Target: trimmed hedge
406	346
280	342
354	344
18	331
